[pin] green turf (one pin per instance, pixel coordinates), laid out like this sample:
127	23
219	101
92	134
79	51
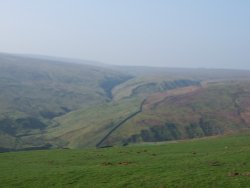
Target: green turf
212	162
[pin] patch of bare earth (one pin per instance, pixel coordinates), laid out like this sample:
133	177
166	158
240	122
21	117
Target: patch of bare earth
246	116
122	163
158	97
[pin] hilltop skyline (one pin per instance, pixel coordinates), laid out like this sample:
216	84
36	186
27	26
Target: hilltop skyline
193	34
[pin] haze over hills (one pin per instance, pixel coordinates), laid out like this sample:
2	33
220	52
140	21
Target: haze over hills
49	102
34	91
124	94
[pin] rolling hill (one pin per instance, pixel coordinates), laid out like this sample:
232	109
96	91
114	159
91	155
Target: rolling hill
35	91
189	112
51	103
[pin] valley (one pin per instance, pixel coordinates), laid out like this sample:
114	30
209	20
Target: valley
124	94
48	103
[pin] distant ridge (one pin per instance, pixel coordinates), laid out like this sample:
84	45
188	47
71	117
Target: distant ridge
57	59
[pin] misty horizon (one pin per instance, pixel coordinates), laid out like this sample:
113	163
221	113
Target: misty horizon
92	62
175	34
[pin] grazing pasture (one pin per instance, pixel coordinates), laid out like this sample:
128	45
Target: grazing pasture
208	162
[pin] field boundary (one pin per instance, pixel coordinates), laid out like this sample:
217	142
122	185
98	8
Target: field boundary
99	144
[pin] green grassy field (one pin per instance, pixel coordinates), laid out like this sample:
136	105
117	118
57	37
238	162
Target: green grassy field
209	162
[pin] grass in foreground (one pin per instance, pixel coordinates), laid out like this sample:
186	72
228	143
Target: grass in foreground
213	162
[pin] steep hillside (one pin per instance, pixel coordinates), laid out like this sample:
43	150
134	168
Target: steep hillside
160	79
189	112
34	91
47	102
88	127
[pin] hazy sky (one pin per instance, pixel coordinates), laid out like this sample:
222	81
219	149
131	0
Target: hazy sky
173	33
